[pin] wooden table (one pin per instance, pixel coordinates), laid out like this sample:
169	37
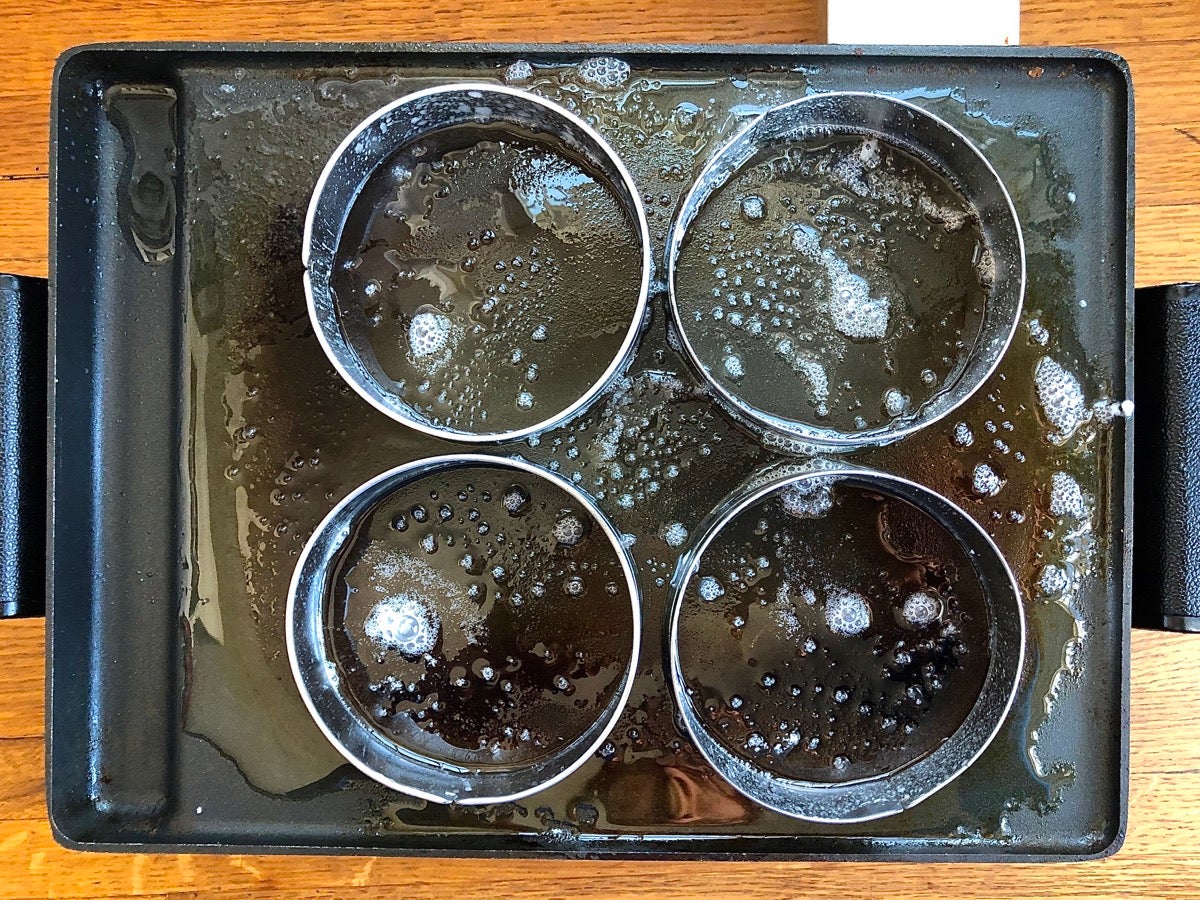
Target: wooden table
1158	37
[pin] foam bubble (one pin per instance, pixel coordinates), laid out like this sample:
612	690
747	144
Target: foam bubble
568	530
1066	497
963	435
734	367
855	313
1060	397
810	498
606	72
555	194
686	115
986	481
895	402
753	208
515	499
1105	410
428	334
807	241
524	400
756	743
808	366
847	613
869	153
709	589
1053	580
675	534
851	172
518	73
921	608
403	623
1038	333
394	574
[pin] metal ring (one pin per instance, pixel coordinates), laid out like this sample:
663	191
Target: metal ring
369	146
346	727
904	787
926	136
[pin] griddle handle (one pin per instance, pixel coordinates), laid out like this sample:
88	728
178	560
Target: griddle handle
1166	482
23	306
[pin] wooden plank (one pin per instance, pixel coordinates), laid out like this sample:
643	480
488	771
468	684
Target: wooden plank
1117	21
1160	697
24	224
1168	244
49	28
25	137
22	678
1168	164
1163	80
22	787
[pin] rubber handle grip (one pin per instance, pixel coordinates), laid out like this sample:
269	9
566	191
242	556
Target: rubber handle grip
23	306
1166	555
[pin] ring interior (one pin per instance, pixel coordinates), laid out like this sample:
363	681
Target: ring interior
956	159
370	147
344	724
898	790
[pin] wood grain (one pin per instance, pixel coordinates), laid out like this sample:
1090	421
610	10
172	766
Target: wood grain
1160	856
